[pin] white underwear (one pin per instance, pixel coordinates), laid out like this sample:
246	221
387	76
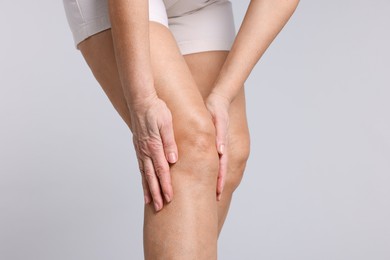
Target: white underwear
197	25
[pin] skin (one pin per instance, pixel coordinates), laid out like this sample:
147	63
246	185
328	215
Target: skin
263	21
208	96
151	123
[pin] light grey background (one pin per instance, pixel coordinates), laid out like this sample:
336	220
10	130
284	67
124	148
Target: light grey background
317	182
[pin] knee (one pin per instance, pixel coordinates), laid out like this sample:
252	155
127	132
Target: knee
239	151
195	137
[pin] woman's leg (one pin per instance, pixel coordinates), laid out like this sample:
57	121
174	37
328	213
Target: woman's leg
187	227
205	67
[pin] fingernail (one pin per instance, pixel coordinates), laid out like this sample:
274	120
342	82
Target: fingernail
172	157
156	206
167	197
147	200
221	148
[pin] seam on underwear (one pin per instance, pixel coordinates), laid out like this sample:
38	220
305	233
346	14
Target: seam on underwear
81	12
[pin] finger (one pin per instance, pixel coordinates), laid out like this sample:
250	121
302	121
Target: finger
152	181
161	168
221	134
222	173
145	186
169	143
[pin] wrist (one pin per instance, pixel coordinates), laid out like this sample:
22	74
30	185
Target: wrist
138	86
142	101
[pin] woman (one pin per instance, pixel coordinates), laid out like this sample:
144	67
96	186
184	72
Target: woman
175	72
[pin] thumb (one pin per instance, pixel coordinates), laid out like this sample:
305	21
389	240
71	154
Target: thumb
221	132
169	143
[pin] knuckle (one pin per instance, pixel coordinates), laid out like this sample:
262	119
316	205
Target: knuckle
167	118
160	170
149	174
141	148
169	146
155	194
153	144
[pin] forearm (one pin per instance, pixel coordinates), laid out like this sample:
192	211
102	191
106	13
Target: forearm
130	33
262	22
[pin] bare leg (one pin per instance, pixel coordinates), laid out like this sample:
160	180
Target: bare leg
187	228
205	67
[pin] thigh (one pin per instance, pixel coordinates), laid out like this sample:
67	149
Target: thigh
172	77
98	48
205	32
205	67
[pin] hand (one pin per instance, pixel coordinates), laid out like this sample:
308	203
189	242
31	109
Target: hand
218	107
154	142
